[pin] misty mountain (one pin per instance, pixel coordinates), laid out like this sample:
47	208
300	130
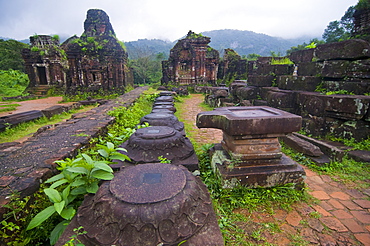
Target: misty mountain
142	47
243	42
248	42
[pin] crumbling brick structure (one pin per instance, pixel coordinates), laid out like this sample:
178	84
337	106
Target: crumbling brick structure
192	62
340	69
95	61
232	67
46	63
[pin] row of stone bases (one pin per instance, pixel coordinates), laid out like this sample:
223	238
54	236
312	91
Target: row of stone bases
151	203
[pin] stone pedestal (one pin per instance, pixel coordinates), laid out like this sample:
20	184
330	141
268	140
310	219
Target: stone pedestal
250	152
148	204
147	144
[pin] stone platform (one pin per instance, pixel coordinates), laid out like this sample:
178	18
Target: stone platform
260	174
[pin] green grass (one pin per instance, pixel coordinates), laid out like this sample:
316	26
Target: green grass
8	107
354	173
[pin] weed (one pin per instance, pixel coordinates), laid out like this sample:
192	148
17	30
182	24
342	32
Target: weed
355	145
162	159
74	241
315	215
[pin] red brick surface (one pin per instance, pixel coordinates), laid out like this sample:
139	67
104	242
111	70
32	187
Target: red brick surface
363	238
340	195
334	224
363	203
321	195
352	225
293	218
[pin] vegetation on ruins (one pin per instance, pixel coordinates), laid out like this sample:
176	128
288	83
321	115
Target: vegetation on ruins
305	45
281	61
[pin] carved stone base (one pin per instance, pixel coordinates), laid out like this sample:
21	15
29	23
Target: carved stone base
271	173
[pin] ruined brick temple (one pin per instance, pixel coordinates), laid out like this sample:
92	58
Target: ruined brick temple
192	61
95	61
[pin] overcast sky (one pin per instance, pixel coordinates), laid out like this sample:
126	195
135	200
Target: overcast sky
171	19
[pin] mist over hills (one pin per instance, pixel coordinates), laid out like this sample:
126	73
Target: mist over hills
243	42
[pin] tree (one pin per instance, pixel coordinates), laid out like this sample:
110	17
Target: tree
340	30
146	65
11	55
252	57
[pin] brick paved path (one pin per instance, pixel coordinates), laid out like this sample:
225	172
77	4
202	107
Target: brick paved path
344	212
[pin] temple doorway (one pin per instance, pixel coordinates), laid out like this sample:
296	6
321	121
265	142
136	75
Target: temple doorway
41	73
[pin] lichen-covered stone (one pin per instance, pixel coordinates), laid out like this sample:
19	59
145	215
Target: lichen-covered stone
348	50
298	83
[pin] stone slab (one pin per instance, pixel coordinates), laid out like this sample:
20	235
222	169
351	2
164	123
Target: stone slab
254	120
301	145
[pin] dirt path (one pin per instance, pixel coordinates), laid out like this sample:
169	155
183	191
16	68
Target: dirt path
38	104
204	135
342	216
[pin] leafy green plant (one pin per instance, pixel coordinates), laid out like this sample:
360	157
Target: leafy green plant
111	153
78	177
18	213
